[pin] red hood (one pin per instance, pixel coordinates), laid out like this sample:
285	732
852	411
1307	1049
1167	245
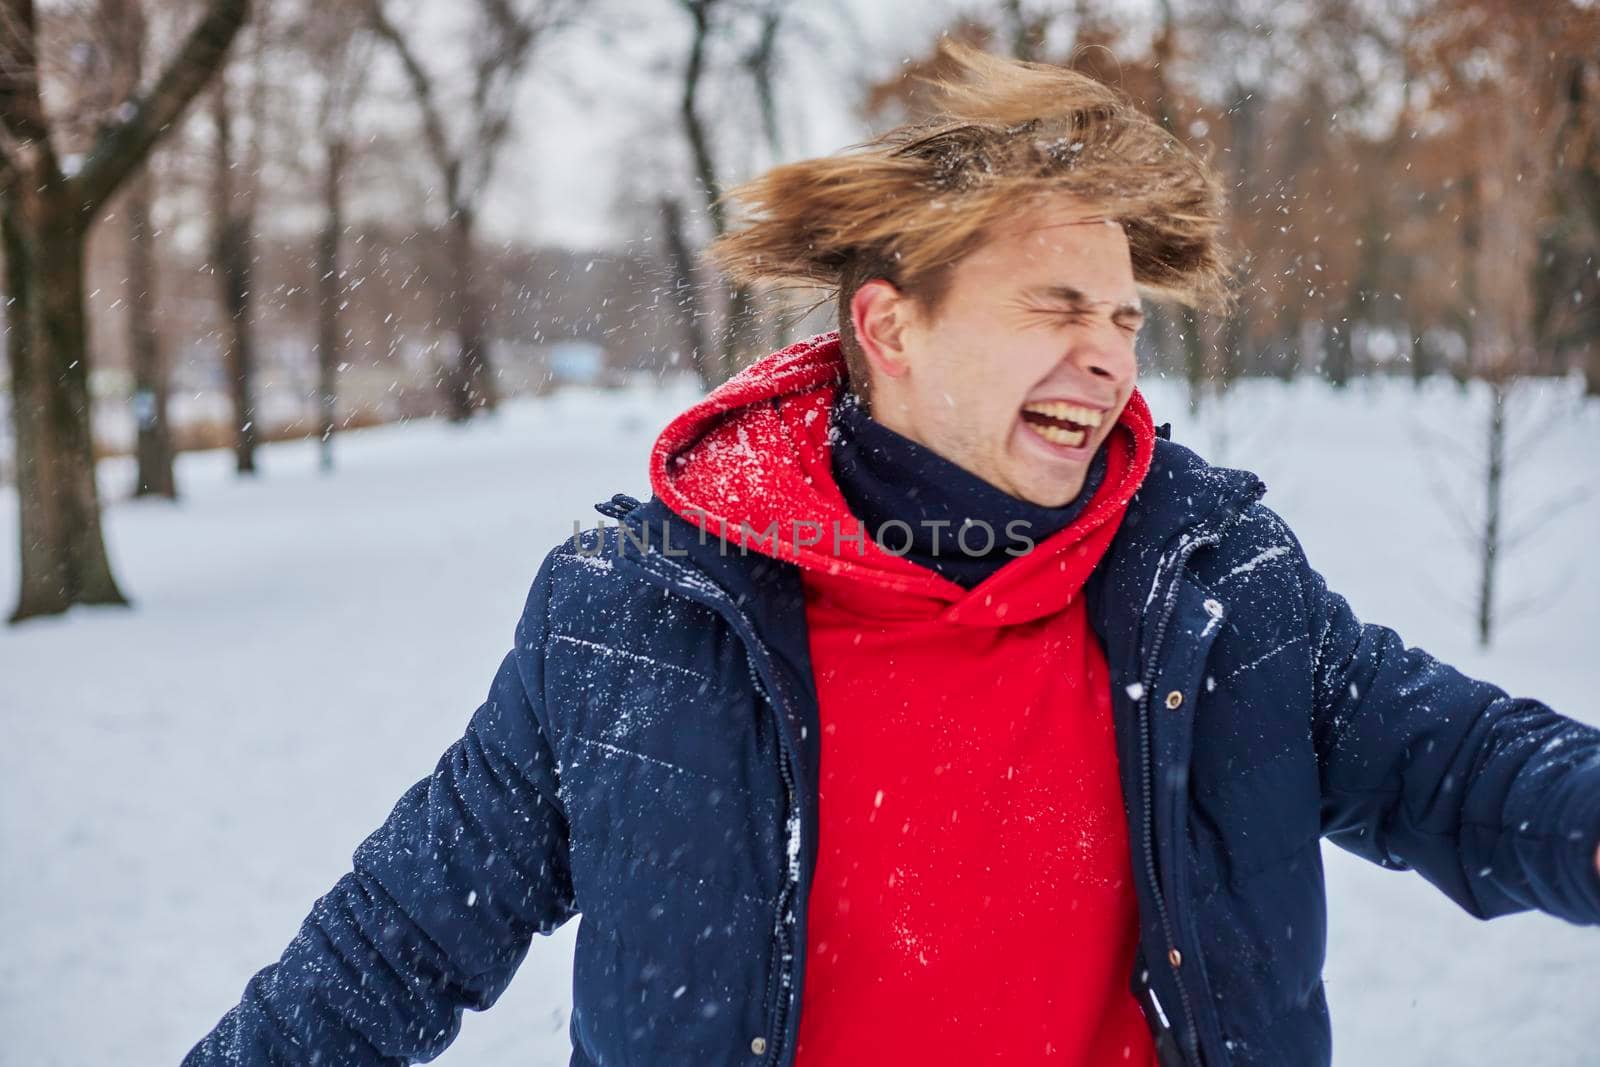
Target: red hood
755	453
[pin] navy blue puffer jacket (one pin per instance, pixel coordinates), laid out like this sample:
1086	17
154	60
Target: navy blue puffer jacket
647	755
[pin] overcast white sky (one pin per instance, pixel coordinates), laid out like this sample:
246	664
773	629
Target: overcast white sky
601	105
598	135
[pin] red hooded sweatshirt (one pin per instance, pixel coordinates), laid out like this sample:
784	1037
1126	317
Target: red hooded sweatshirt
973	899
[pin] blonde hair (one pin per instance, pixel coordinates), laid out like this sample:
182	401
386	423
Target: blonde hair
911	203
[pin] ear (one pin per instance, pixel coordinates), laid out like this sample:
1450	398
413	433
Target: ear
880	315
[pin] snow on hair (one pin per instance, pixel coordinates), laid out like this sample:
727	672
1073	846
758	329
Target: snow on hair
914	201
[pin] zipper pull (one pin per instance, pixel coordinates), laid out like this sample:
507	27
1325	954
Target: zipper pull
619	505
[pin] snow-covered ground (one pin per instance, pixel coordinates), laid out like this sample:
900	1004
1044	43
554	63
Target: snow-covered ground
179	781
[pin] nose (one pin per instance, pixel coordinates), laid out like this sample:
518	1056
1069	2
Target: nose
1106	353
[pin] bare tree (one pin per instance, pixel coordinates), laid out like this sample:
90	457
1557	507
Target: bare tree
707	19
342	58
1571	322
152	378
762	63
235	183
1190	321
48	201
1501	111
124	24
683	304
502	44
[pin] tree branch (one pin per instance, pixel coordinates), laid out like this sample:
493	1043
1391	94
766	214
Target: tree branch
433	129
1544	517
122	146
21	112
1541	600
24	132
700	11
509	42
760	61
10	158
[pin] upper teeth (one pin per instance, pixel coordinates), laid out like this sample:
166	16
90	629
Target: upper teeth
1070	412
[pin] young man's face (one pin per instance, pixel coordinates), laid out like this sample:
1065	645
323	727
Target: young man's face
1027	363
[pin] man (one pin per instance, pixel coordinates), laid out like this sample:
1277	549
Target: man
937	708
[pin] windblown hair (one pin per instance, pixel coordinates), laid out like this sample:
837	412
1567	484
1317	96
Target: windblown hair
910	204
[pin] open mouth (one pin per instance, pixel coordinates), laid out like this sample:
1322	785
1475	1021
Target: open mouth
1061	423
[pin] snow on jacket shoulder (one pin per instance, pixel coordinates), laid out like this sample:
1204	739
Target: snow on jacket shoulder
647	754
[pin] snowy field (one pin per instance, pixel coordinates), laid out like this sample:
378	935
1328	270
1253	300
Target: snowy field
178	782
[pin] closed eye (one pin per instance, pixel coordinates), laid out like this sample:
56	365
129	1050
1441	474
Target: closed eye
1128	323
1054	319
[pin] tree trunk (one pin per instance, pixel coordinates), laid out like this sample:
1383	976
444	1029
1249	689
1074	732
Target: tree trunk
1194	357
739	300
233	271
1194	348
1024	34
739	330
1232	358
1421	366
232	255
329	287
1286	360
1586	179
471	383
151	376
1233	355
1339	353
45	216
1494	486
685	295
63	555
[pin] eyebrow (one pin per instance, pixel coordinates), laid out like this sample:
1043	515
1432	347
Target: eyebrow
1077	300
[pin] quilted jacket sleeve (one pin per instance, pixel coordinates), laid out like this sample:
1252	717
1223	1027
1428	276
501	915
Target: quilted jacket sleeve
440	906
1494	799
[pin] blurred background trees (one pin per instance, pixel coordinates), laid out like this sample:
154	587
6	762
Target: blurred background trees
370	212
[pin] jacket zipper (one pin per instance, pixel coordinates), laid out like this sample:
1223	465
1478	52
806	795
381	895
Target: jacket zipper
785	940
786	990
1192	1038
